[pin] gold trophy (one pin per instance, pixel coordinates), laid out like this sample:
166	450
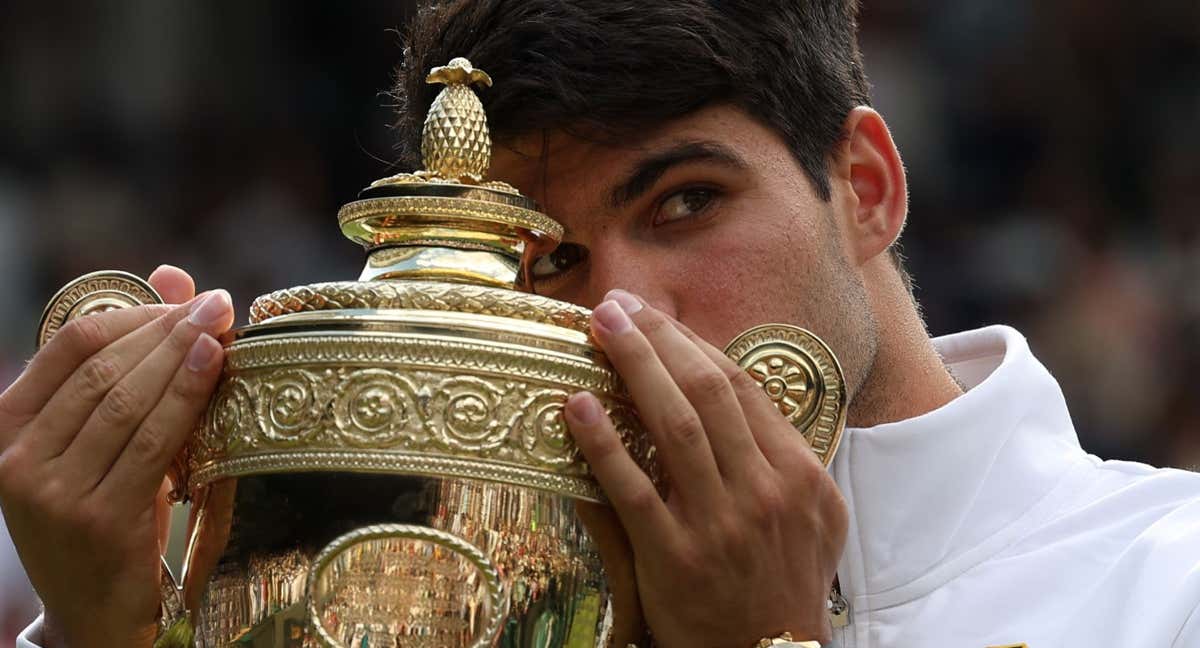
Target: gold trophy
384	461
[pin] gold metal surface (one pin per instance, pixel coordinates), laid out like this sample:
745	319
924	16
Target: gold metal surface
425	584
379	221
461	561
385	462
439	399
94	292
801	376
420	295
174	628
455	142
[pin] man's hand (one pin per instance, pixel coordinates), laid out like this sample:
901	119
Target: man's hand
747	543
87	434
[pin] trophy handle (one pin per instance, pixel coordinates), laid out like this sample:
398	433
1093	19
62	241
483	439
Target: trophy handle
174	624
350	570
801	376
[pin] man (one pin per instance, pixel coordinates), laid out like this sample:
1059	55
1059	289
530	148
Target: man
716	166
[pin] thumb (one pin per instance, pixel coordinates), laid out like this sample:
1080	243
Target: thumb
173	284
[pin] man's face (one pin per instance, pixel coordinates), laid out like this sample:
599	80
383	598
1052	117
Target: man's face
708	218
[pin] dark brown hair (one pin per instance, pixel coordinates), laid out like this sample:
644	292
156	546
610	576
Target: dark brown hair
596	67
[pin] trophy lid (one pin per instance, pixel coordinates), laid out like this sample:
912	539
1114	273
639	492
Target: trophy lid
443	238
447	221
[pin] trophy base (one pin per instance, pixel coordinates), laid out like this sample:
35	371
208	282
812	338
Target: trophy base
321	559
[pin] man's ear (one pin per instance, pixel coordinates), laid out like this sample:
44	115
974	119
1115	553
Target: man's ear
870	167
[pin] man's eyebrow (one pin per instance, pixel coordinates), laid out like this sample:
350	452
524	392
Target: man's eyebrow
648	170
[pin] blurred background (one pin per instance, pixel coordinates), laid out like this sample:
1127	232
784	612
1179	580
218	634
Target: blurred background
1053	151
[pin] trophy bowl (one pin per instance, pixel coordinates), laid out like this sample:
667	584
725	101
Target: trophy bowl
384	461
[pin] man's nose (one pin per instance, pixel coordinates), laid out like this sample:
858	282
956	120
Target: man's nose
614	267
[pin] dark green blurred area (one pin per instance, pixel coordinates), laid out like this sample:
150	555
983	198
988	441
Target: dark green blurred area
1051	145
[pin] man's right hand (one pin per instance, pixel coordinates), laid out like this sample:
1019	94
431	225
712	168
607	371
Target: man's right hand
87	434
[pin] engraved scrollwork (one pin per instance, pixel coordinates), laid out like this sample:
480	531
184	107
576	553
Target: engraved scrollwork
543	431
464	414
230	419
291	405
376	408
377	403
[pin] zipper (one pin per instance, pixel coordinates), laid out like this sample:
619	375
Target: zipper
839	615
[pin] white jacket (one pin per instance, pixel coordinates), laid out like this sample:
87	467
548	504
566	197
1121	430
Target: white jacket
983	523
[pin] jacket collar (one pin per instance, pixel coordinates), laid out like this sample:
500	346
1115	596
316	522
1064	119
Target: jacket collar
931	496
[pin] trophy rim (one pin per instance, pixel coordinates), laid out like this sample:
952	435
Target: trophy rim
426	295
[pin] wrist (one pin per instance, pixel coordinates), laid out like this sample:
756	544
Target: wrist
56	634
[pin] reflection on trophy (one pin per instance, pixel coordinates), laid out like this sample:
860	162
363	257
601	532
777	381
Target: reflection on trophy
385	463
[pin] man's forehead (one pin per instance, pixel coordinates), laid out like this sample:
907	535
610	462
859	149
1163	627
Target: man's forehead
544	162
557	167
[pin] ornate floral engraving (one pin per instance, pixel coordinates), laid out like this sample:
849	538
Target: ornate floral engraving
463	414
788	383
290	404
231	411
393	404
801	376
376	408
543	431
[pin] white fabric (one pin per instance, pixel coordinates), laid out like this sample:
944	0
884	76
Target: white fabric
984	523
31	637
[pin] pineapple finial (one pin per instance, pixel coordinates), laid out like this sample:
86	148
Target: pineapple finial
455	143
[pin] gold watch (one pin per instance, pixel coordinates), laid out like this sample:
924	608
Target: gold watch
785	638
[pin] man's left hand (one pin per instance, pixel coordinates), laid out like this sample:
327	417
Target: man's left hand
747	541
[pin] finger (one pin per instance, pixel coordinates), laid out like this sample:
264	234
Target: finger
774	440
705	385
673	424
92	382
144	460
630	491
109	427
75	342
173	284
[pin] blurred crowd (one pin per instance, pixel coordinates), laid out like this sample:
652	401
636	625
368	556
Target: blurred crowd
1052	147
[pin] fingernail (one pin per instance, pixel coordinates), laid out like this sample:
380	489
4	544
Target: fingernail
210	309
164	266
628	302
584	408
201	355
612	317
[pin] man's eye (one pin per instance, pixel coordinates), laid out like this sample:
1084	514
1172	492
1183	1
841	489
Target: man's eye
684	204
563	258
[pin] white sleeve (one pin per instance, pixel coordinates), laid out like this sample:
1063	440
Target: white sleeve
1188	636
31	637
